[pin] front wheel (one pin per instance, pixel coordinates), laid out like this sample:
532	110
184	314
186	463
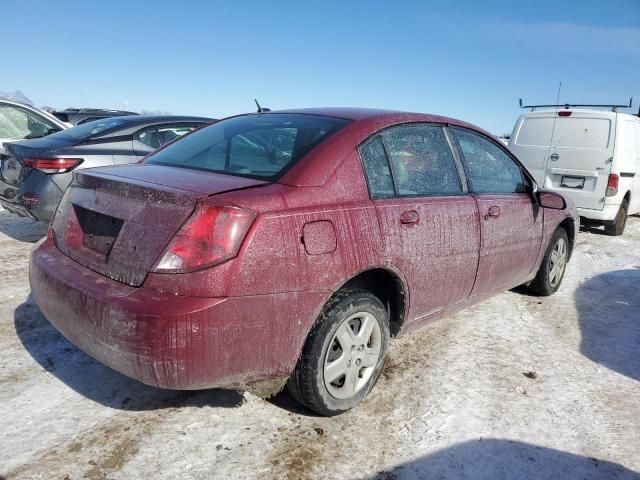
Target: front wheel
343	355
617	227
554	263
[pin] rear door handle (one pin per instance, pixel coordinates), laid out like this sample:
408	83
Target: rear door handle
554	157
410	218
493	212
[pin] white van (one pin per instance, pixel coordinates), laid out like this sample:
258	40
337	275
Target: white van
590	156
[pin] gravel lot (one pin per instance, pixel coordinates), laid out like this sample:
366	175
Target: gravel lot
517	387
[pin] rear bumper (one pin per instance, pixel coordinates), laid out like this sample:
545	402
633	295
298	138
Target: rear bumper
49	194
608	213
171	341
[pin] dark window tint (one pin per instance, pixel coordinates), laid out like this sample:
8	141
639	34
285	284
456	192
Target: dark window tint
376	167
156	136
257	146
421	160
150	137
489	167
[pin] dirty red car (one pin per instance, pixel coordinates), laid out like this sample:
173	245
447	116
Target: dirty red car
289	246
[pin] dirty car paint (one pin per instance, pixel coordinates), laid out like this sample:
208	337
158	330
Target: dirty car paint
245	320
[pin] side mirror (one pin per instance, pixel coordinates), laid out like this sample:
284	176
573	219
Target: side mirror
551	200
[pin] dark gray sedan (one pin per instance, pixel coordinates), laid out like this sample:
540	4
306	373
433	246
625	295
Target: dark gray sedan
35	173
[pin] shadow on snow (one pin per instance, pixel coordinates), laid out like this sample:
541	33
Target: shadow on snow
96	381
609	315
506	460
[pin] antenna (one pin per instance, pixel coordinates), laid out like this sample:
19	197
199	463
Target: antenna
553	129
260	109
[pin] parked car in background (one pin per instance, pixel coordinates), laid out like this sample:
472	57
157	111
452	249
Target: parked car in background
590	156
78	116
291	245
35	173
19	121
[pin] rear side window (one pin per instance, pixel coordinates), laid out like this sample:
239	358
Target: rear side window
376	167
256	146
489	168
421	160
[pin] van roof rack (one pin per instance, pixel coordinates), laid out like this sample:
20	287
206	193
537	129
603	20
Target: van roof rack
613	108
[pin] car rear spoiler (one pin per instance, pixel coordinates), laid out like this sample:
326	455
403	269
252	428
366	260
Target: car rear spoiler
614	108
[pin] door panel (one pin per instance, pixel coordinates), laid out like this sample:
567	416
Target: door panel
510	221
511	232
434	242
581	151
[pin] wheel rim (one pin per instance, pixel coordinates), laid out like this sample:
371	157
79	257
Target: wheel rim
352	356
558	262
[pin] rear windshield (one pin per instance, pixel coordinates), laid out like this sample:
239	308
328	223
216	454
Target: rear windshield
87	130
569	132
255	146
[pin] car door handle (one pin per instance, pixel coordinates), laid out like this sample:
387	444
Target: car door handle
554	156
493	212
410	218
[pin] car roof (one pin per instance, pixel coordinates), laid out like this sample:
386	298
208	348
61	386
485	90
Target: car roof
376	116
365	122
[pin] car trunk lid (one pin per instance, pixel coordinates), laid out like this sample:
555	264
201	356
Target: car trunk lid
119	225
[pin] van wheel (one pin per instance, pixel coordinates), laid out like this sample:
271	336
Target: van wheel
554	263
343	355
617	227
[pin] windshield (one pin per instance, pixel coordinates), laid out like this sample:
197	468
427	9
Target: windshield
255	146
87	130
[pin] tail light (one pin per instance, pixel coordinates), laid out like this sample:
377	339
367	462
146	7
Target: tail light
53	165
565	113
612	185
212	235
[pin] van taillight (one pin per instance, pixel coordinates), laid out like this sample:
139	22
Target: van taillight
565	113
212	235
53	165
612	185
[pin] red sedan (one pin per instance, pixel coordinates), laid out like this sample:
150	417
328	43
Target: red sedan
289	246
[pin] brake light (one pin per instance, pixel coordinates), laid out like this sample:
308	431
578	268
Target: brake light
53	165
565	113
212	235
612	185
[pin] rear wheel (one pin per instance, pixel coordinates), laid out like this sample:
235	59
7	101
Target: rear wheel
617	227
343	355
554	263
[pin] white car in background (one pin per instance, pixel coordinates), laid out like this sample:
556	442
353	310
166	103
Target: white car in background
591	156
20	121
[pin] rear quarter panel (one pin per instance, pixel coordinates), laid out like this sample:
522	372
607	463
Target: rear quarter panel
273	258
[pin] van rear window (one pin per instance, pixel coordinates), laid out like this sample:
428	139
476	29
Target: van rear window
569	132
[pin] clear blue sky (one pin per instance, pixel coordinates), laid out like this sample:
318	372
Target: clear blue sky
470	59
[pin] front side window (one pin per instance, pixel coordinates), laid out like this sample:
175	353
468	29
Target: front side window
17	123
421	160
255	146
489	168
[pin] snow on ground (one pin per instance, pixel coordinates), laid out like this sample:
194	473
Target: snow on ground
517	387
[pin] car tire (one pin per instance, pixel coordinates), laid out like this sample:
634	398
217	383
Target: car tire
616	228
551	271
343	355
